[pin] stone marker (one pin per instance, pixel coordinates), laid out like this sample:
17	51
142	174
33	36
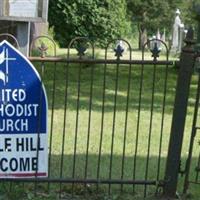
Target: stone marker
177	36
158	37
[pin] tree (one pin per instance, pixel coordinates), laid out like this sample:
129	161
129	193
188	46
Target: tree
151	15
189	10
100	20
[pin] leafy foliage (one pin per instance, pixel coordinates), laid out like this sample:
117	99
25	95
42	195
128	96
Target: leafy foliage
104	20
100	20
153	14
191	11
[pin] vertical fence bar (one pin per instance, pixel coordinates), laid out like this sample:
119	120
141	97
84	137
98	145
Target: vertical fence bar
52	116
39	125
179	116
89	117
77	125
197	170
102	119
193	134
138	120
162	124
113	125
51	123
126	117
150	128
64	123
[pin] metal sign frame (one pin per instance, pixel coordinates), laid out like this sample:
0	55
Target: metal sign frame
43	18
27	156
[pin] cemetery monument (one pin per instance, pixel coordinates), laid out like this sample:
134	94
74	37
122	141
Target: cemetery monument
178	30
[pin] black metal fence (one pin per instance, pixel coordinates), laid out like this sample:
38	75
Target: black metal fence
110	114
111	109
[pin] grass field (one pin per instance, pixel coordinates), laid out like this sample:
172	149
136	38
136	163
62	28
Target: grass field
128	143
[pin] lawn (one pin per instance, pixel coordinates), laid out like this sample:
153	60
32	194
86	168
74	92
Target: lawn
128	141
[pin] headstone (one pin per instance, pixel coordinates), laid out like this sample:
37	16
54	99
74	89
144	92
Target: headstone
158	36
23	117
177	32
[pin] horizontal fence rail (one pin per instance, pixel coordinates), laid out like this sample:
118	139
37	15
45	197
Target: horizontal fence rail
109	118
100	61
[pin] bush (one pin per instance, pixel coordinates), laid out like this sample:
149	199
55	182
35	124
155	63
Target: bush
99	20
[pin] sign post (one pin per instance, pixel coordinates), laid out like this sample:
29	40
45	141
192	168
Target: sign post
23	117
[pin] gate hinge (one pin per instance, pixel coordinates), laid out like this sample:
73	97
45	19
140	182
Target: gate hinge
181	171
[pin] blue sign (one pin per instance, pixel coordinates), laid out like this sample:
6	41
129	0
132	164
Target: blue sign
23	117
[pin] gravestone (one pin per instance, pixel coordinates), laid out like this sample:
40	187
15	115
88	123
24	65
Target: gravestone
158	37
178	29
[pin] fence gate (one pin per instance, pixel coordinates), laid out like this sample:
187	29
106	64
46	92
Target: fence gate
110	118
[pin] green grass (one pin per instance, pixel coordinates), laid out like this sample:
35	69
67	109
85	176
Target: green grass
17	190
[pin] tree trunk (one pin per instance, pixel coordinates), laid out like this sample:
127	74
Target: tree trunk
142	36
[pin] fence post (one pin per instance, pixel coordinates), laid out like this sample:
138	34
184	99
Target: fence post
179	115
